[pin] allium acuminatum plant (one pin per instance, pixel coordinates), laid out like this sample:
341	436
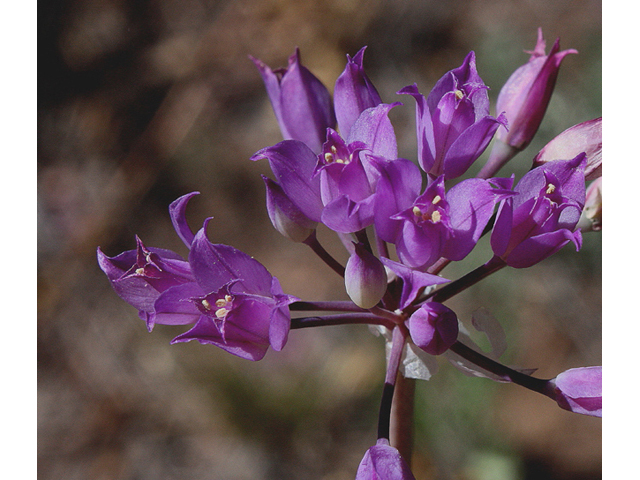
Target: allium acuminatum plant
401	221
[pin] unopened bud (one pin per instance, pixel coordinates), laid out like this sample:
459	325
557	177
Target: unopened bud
579	390
285	216
365	278
591	218
584	137
433	328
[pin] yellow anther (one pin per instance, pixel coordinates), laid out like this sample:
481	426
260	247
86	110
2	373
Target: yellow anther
206	304
334	150
228	298
221	303
221	312
459	94
339	160
435	216
328	157
550	189
417	212
140	271
436	199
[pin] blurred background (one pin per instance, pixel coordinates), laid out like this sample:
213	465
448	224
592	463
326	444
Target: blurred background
141	102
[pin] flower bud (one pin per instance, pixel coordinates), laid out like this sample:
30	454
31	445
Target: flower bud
365	278
525	96
591	218
285	216
584	137
383	462
433	328
579	390
301	103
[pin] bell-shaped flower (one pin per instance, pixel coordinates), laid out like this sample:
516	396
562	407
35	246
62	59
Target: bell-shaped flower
453	123
433	328
445	225
235	303
353	93
525	96
365	277
579	390
285	216
301	103
347	184
542	217
383	462
584	137
240	307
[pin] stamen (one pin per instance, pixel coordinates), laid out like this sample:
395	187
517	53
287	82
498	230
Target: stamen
459	94
221	312
328	157
334	150
417	212
206	304
221	303
551	188
140	271
436	199
436	216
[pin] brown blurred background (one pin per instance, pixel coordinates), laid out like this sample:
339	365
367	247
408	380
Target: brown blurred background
141	102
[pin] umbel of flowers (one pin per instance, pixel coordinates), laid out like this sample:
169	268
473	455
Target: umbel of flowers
338	165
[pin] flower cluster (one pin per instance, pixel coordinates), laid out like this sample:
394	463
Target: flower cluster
338	166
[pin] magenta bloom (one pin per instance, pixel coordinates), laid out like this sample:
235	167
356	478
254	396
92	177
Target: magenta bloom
525	96
542	217
433	327
301	103
383	462
453	123
440	224
233	300
579	390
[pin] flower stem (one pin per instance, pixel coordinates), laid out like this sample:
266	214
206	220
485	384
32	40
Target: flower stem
398	338
312	241
333	306
340	319
402	417
471	278
500	154
535	384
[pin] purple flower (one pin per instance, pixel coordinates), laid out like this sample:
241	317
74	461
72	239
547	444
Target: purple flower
445	225
453	123
301	103
525	96
233	300
383	462
336	187
584	137
542	217
354	93
579	390
239	306
433	328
